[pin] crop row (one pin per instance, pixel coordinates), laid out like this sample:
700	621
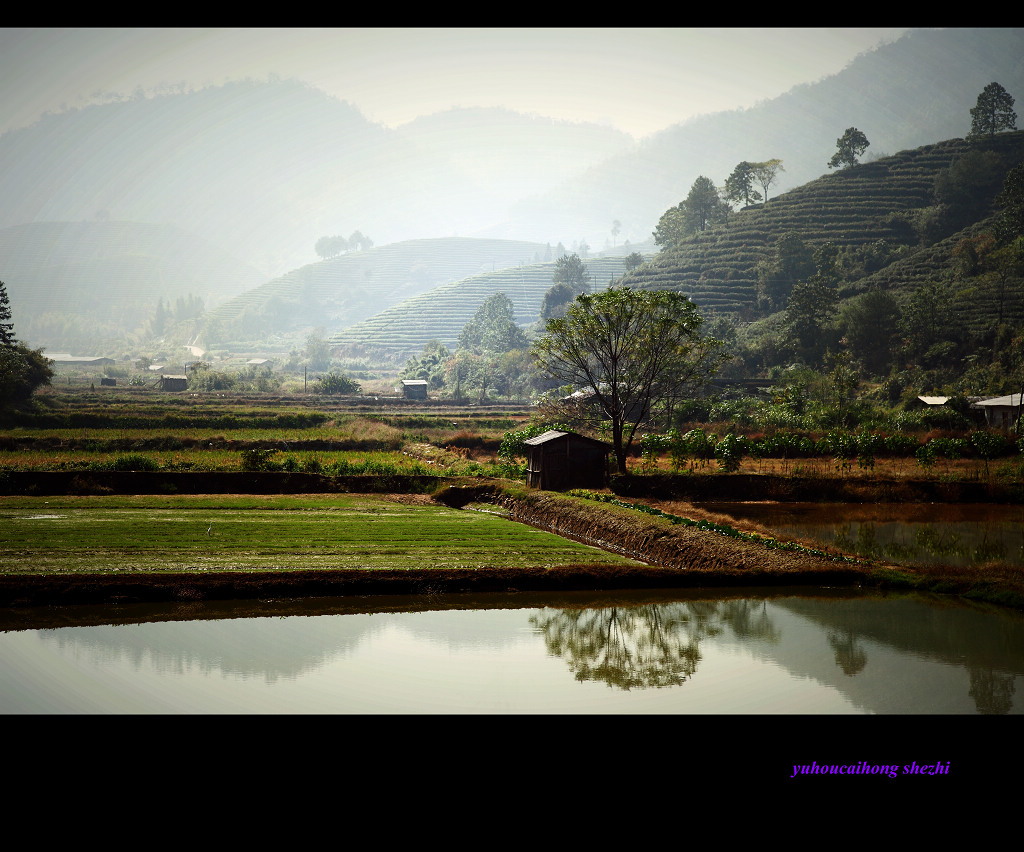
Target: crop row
698	446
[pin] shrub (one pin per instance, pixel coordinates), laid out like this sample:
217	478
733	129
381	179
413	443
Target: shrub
337	383
729	452
134	461
259	458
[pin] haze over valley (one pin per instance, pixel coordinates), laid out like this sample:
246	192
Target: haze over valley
204	202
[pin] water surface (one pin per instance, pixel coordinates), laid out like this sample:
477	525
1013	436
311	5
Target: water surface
820	652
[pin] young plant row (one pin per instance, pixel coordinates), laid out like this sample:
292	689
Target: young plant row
697	447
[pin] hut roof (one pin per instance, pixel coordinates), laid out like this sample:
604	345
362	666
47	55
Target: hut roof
1011	400
555	434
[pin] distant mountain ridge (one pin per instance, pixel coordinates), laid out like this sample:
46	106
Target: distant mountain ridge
914	91
266	168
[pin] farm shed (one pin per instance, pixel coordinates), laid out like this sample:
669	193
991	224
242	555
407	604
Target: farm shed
414	388
1001	411
933	401
558	460
105	382
173	383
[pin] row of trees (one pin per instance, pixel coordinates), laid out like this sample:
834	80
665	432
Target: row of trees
707	204
328	247
164	317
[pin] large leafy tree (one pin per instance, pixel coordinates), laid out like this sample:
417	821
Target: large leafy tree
791	260
993	112
739	186
670	230
628	348
570	280
318	349
812	306
766	174
493	327
929	326
702	206
851	145
22	369
633	260
430	366
870	324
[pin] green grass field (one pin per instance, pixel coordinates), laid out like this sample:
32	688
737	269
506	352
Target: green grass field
148	533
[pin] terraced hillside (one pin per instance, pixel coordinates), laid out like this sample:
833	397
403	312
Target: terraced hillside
873	201
342	291
441	313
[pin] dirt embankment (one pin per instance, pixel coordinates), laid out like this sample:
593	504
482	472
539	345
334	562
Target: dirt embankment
698	552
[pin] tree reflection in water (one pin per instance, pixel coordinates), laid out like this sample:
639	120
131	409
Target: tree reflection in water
850	656
992	692
649	645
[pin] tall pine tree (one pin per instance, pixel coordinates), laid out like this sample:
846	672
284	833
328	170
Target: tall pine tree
6	323
993	113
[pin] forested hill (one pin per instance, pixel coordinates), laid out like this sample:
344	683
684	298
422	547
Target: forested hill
907	209
912	92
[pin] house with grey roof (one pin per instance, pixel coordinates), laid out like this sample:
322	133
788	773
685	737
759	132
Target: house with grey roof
1001	412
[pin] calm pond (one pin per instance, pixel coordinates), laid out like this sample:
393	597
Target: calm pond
758	652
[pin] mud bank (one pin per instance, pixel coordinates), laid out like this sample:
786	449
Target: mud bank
694	552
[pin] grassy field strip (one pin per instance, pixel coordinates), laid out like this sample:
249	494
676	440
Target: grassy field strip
195	459
205	533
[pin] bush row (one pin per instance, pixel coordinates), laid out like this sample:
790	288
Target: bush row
697	445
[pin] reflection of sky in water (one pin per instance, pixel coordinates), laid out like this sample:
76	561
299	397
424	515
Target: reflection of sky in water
782	655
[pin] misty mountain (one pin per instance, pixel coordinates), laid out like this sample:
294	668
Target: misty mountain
510	156
264	169
72	283
915	91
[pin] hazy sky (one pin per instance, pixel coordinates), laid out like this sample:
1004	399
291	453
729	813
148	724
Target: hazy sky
639	80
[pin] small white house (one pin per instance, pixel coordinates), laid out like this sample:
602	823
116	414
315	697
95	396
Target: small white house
1001	411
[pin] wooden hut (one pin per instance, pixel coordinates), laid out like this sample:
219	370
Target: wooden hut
414	388
560	460
173	383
